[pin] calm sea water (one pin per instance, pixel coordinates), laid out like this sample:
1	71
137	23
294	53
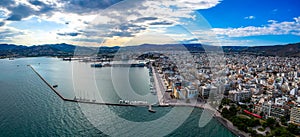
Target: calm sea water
28	107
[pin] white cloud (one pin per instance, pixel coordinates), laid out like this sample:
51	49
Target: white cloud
130	18
274	28
103	19
249	17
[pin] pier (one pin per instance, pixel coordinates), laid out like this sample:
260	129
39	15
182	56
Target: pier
99	65
58	94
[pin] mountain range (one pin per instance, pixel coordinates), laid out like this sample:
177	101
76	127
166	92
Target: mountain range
63	49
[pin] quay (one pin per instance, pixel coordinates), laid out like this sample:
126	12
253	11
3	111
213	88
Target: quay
99	65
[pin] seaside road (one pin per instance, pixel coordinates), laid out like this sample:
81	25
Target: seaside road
158	87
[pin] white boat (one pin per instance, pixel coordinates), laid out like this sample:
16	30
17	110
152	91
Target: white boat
150	109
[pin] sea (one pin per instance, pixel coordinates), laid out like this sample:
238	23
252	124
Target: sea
28	107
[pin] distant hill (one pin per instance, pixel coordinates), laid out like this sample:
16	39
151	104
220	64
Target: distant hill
277	50
63	49
8	50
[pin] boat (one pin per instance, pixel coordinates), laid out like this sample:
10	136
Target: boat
55	86
124	101
150	109
96	65
67	59
138	102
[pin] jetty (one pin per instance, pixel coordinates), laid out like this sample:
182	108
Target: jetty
51	87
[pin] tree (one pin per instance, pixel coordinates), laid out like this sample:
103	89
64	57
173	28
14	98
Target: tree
283	120
233	110
271	122
220	107
293	129
281	132
225	113
225	101
261	114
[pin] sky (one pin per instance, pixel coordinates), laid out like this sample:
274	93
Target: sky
134	22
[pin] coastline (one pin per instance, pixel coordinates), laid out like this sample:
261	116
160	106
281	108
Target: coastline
232	128
223	121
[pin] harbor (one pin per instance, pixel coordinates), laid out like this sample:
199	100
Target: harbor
157	88
88	101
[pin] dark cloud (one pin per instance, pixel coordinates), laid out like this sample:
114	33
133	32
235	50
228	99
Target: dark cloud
193	40
2	24
146	19
7	34
161	23
6	3
36	2
127	30
73	34
18	12
84	6
44	7
14	17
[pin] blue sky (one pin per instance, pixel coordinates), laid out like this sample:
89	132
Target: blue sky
232	13
258	13
133	22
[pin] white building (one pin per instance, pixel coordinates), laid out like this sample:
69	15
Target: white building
295	115
206	90
239	95
191	92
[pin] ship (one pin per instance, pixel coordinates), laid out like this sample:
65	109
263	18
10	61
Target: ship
150	109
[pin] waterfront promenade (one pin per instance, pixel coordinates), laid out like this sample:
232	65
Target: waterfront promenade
159	87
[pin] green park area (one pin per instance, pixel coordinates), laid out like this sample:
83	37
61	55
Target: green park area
255	126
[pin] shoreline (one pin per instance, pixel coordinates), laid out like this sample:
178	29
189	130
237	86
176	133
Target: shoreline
223	121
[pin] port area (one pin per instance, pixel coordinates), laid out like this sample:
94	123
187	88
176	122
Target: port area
164	100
